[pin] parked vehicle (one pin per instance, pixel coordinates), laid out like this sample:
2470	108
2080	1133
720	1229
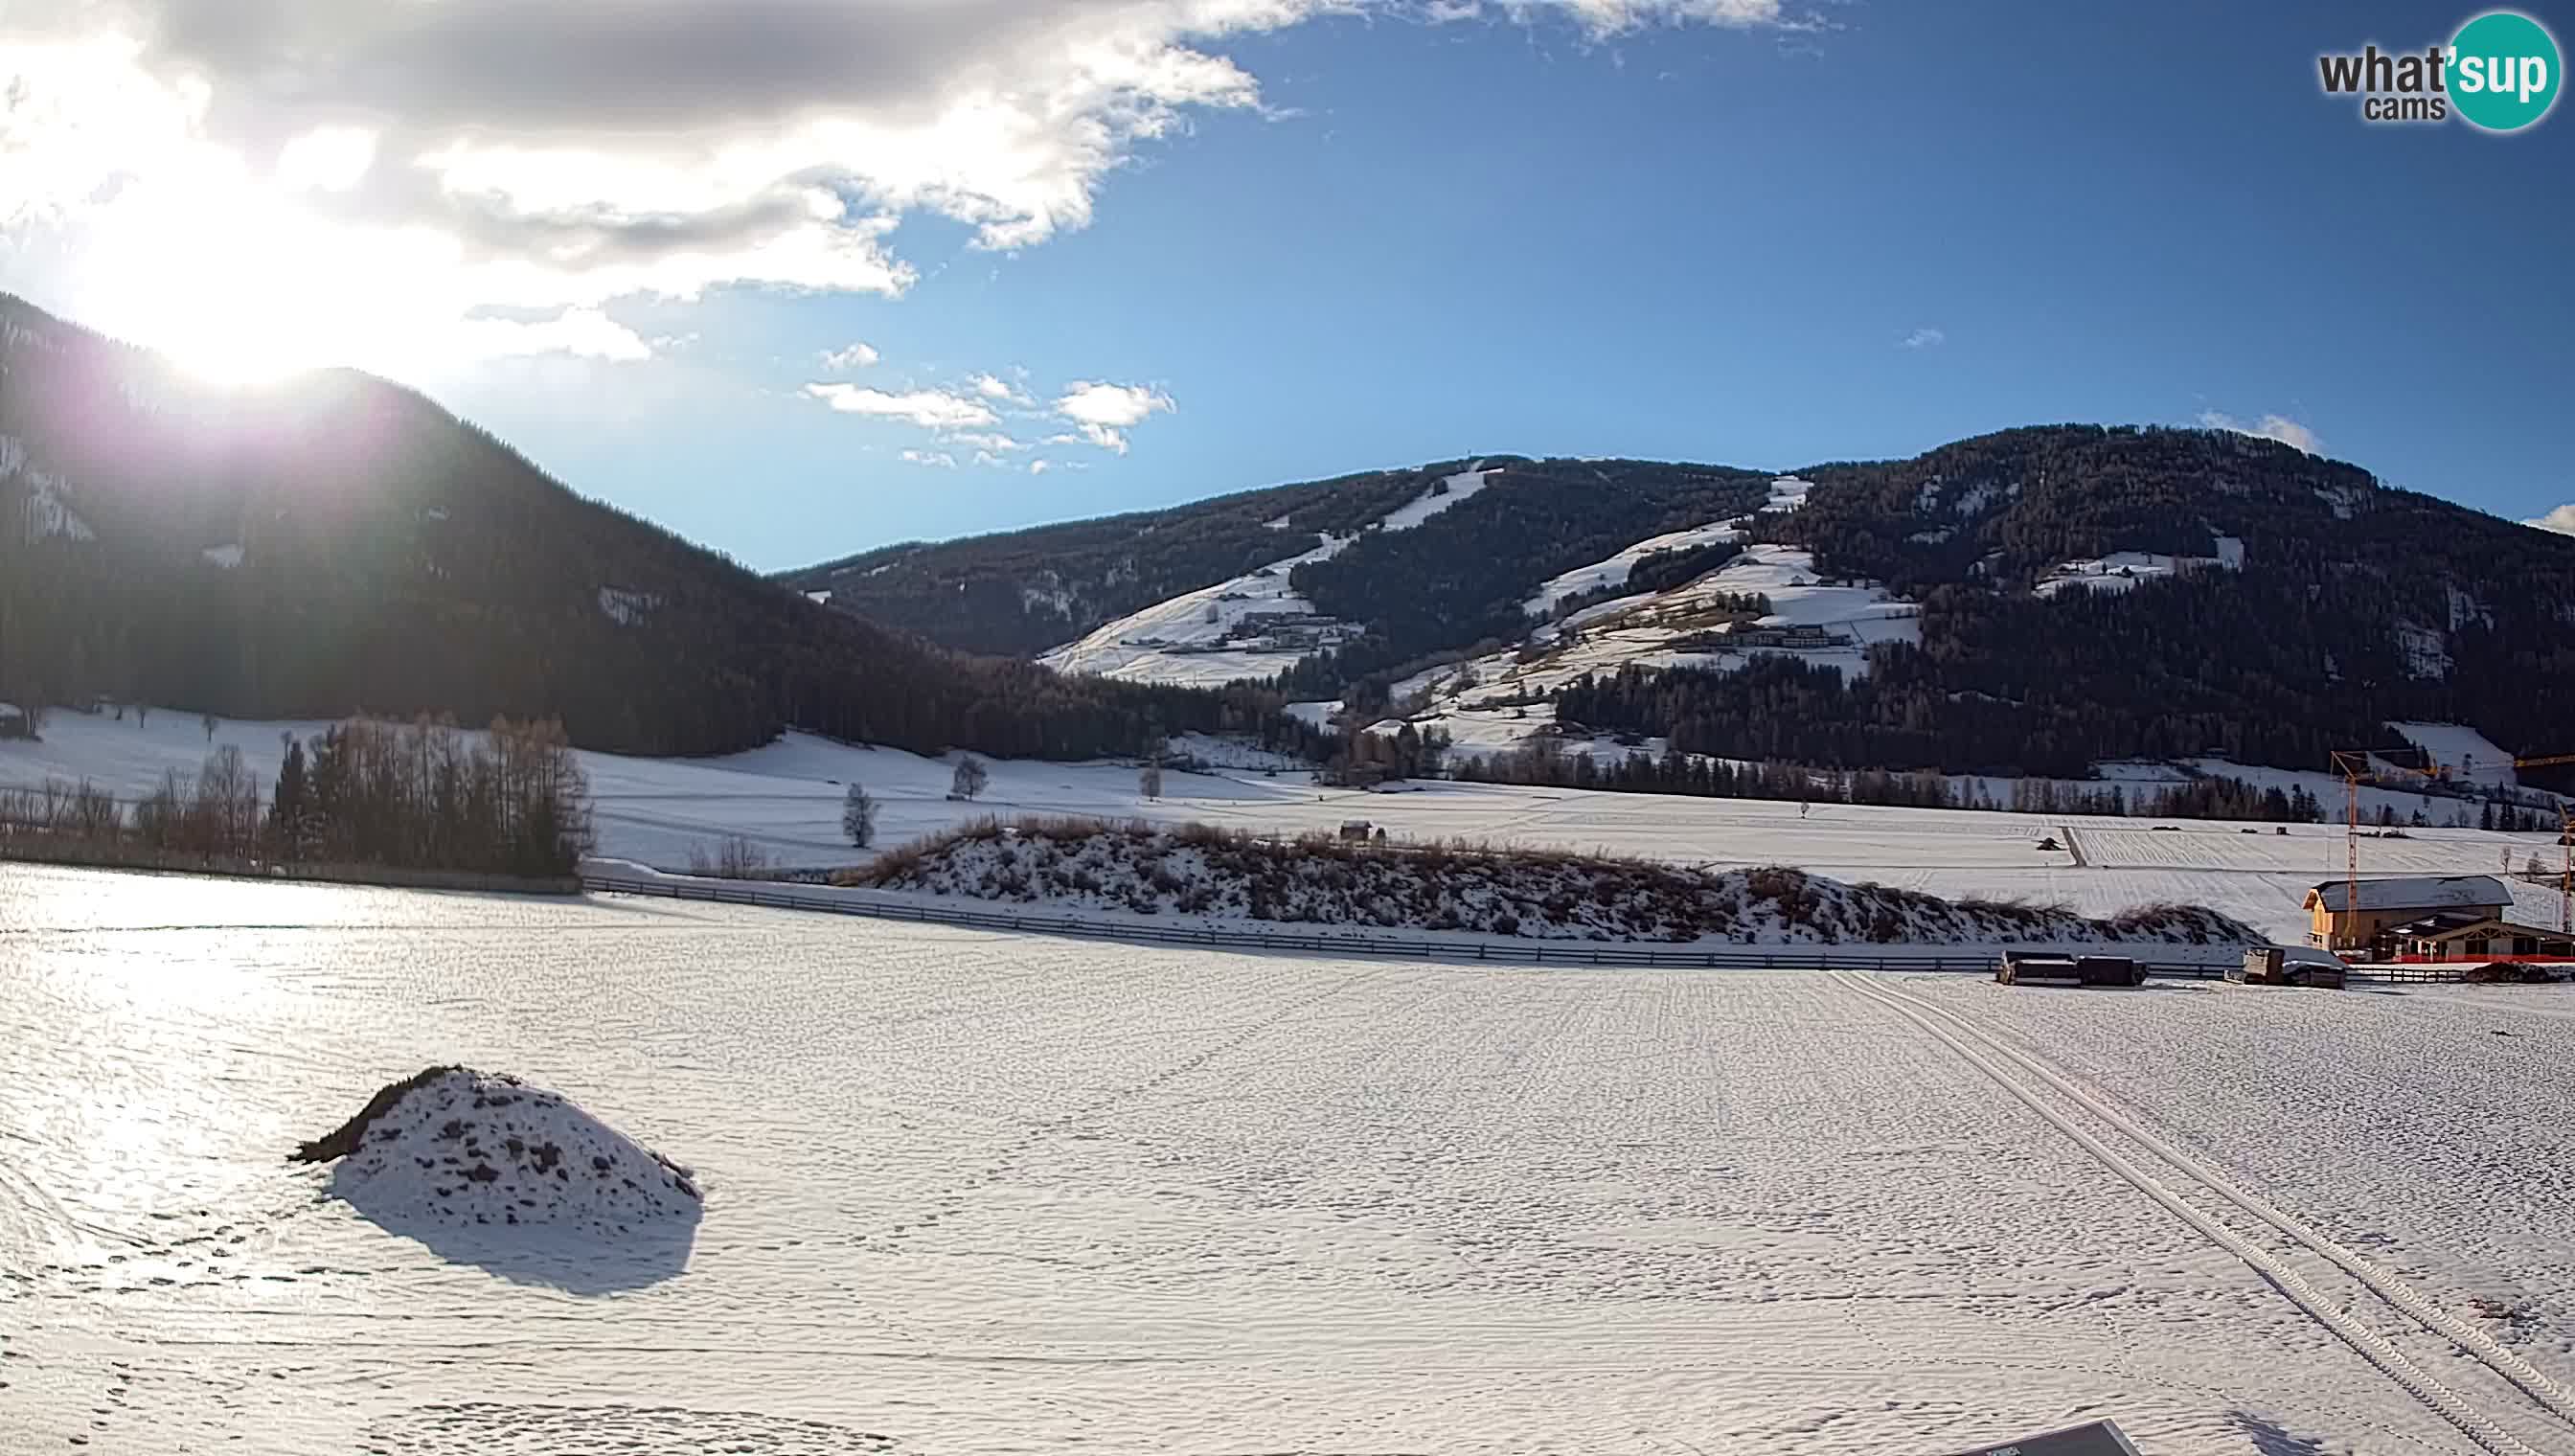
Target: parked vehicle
2290	966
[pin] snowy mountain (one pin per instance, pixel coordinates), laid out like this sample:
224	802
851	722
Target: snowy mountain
2038	601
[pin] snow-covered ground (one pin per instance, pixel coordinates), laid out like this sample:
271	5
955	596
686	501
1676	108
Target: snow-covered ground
1489	703
2121	571
1214	635
786	798
2463	753
970	1193
1612	571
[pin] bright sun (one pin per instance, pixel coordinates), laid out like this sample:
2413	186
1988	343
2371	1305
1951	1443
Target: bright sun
270	293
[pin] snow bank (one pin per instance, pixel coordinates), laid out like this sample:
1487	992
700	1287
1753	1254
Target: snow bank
1221	878
456	1147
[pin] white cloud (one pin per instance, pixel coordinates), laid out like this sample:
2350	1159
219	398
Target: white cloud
1116	406
1604	18
857	356
1039	466
2561	519
1101	412
2271	427
993	387
1923	339
928	408
939	458
326	159
583	332
997	443
388	171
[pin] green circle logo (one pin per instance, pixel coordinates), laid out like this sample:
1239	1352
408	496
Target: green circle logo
2504	71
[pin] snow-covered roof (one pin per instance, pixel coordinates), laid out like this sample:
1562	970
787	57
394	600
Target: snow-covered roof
2419	893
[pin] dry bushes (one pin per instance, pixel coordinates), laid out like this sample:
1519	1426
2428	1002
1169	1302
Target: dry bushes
1321	878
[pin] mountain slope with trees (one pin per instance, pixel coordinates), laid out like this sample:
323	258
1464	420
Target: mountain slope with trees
2352	605
2086	592
337	545
1023	592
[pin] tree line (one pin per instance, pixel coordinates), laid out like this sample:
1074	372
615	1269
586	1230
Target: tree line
511	800
1549	759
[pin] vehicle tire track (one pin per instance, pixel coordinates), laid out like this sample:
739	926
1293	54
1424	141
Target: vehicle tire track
2380	1352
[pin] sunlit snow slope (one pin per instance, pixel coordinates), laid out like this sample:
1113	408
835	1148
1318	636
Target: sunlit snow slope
1218	634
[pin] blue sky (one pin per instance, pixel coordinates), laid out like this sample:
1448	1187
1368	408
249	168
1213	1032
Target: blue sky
1753	244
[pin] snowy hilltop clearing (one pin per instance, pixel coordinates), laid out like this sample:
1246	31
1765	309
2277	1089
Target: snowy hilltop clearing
455	1146
1252	625
1209	874
1767	602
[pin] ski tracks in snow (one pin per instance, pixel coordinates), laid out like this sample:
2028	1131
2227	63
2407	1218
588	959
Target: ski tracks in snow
2129	1148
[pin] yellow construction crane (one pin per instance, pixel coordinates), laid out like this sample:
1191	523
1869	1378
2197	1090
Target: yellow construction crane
2355	764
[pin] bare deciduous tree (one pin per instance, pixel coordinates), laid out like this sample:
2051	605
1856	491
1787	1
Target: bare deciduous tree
859	816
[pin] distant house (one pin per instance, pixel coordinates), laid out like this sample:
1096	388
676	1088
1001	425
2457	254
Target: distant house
2467	936
2385	905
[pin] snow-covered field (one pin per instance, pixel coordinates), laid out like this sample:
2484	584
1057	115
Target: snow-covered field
786	798
972	1194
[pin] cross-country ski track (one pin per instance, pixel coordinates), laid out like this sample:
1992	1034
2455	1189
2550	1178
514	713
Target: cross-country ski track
2029	1080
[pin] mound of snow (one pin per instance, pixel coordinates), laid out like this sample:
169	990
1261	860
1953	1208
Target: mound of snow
456	1147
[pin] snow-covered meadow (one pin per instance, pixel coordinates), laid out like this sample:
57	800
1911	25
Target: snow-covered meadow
981	1194
786	798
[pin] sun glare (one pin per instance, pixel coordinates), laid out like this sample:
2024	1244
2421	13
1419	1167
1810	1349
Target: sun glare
241	285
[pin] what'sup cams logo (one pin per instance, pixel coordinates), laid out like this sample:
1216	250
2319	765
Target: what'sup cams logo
2500	73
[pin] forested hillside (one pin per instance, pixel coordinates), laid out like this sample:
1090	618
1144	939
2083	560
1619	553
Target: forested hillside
1023	592
1458	579
2312	606
2084	592
338	544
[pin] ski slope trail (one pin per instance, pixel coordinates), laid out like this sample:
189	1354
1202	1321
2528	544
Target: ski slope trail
2028	1079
